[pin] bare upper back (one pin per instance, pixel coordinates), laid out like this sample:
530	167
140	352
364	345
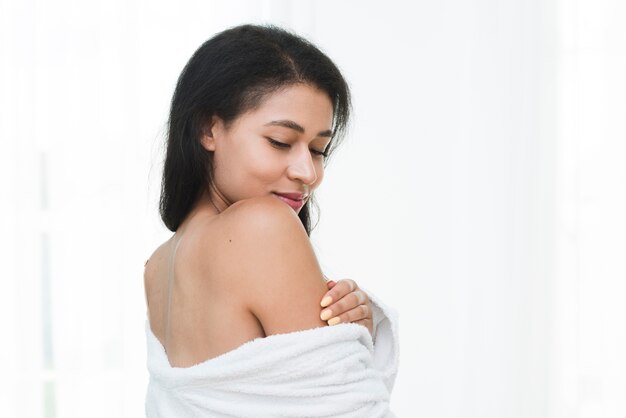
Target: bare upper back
207	317
239	275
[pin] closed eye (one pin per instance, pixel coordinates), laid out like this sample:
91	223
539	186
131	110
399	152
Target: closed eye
278	144
319	153
282	145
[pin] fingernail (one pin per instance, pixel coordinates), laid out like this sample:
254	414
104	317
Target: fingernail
326	313
326	301
334	321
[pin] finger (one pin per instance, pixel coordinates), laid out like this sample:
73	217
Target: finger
342	288
345	304
361	312
328	298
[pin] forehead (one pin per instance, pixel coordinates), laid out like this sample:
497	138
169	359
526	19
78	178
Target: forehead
306	105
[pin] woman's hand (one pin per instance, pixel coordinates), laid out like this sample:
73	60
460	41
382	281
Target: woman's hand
345	302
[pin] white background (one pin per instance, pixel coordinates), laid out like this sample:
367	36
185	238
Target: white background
481	191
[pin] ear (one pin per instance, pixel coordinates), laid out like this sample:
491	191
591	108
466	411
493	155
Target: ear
209	133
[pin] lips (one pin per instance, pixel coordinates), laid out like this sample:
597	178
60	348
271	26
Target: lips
295	200
292	196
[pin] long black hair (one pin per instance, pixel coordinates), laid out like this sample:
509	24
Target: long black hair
228	75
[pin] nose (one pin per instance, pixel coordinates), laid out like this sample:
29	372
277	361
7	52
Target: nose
302	167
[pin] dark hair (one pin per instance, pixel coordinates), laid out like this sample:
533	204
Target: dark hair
228	75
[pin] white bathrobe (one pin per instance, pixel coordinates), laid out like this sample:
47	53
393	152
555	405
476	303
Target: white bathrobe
333	371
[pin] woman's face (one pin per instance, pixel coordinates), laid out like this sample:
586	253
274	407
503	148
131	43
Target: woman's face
275	149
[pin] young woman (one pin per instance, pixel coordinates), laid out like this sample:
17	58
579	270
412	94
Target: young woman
255	115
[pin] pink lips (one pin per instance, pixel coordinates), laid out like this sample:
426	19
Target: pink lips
295	200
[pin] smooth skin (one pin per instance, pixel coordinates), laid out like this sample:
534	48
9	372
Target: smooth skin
244	267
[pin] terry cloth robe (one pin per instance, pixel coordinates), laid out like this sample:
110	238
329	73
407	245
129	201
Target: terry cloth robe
331	371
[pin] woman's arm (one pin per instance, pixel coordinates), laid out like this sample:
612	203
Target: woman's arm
273	266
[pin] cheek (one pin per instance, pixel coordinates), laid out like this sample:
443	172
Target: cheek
256	169
264	166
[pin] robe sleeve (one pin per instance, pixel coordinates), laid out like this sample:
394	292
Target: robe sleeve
386	339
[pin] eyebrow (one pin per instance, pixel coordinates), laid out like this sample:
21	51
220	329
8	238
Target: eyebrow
292	125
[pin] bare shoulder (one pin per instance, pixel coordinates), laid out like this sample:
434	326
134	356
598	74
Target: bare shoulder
247	226
254	229
155	259
153	276
271	263
155	262
260	214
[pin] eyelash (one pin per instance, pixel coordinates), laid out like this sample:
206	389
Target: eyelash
282	145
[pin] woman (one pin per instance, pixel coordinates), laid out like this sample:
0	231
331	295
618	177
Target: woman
255	115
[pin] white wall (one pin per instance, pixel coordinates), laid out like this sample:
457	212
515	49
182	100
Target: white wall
452	154
485	160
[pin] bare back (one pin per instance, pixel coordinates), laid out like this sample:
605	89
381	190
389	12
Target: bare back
207	316
247	272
